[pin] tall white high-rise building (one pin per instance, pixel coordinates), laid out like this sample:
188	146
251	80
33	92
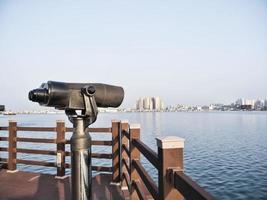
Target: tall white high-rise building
156	103
140	104
149	103
248	102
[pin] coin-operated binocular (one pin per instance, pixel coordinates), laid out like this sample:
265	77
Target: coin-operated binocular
80	102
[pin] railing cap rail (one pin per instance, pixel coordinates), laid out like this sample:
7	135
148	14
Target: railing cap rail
170	142
60	121
135	126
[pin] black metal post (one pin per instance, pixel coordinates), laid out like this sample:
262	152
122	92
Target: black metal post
81	171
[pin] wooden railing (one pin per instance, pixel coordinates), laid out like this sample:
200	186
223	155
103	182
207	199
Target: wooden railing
11	162
127	170
168	161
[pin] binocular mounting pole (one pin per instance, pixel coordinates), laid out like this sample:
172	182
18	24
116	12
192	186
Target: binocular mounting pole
81	170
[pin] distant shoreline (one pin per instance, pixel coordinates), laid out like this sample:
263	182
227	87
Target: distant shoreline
182	111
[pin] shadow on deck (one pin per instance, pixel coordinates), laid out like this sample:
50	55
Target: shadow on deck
35	186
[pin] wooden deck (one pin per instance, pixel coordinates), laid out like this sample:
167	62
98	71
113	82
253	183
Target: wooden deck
35	186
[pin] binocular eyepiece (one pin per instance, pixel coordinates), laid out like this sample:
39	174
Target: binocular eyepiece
70	96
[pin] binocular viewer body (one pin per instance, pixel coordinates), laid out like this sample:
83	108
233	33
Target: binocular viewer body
70	96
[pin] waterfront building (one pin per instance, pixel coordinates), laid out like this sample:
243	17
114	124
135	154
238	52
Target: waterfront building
211	107
2	108
259	104
239	102
248	104
149	104
140	104
162	106
156	103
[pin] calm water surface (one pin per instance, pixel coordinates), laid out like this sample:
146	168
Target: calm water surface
225	152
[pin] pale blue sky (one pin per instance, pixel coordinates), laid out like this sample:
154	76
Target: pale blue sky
188	52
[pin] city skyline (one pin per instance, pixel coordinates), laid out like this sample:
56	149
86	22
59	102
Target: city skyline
157	104
186	52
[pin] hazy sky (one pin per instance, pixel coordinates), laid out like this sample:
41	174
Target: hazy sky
188	52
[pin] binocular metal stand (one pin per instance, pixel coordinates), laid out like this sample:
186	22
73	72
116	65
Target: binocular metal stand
81	173
81	170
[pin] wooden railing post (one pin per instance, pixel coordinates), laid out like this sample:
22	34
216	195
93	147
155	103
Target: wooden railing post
115	151
12	146
134	155
170	154
60	148
124	141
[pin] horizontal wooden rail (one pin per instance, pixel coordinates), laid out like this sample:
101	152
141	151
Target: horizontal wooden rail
95	155
102	168
102	155
147	152
188	188
3	149
53	129
93	130
99	130
36	140
149	183
37	129
139	189
126	134
53	164
102	142
34	162
3	138
97	142
3	165
67	165
94	168
35	151
3	159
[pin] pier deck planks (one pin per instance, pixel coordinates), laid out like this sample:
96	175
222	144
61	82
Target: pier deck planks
34	186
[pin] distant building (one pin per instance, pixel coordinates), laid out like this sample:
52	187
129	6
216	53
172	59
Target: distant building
246	107
199	108
157	103
259	104
265	105
205	108
212	107
149	104
140	104
2	108
239	102
248	104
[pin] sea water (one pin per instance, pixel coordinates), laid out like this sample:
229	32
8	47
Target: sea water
225	152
